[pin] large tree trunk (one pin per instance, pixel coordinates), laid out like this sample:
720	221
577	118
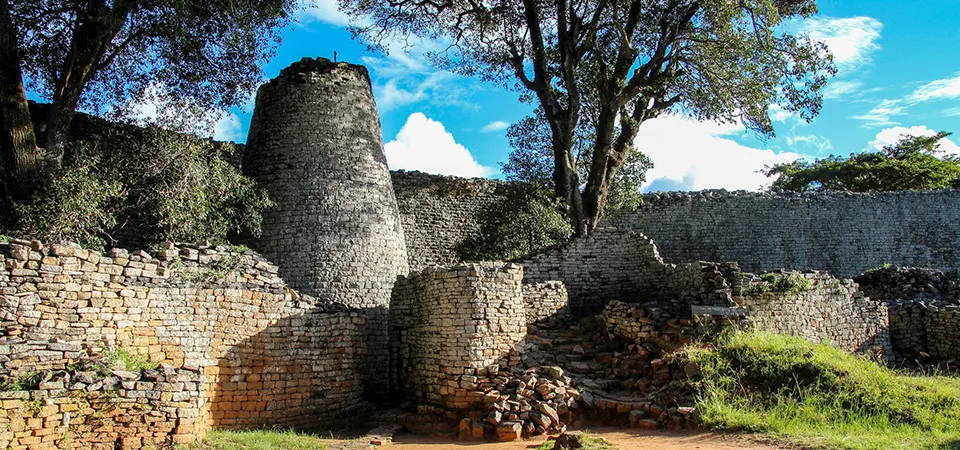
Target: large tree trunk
93	32
18	144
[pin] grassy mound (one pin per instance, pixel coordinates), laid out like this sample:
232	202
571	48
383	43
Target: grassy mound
260	440
819	396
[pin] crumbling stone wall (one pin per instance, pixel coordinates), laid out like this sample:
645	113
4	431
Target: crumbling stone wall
818	308
449	326
844	234
267	355
89	410
315	145
440	212
613	264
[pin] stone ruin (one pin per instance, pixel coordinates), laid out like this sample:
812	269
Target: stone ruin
584	331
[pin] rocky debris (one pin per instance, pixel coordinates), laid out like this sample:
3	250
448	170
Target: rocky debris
522	402
568	441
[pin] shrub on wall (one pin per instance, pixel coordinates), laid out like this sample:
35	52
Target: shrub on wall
141	186
523	220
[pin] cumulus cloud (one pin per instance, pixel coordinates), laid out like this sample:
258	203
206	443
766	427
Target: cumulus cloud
692	155
495	126
890	136
425	145
947	88
852	40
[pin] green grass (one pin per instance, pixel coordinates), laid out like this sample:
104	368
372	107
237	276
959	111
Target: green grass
818	396
131	362
261	440
589	443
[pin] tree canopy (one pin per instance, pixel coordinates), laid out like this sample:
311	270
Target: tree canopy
101	54
625	62
912	163
531	161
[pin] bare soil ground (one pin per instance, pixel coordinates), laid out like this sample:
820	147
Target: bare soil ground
621	439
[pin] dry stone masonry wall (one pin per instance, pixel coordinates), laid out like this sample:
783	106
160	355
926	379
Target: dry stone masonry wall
451	325
844	234
315	144
264	354
818	308
439	213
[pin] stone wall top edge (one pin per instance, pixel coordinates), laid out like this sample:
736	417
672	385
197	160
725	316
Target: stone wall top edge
670	197
499	266
318	66
424	179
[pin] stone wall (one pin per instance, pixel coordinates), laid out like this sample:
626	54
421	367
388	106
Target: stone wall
546	304
451	325
818	308
844	234
315	145
267	355
105	411
439	213
612	264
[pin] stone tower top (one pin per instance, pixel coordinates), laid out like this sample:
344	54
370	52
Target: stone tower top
309	69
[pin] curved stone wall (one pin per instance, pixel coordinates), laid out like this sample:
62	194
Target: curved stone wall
844	234
315	145
335	231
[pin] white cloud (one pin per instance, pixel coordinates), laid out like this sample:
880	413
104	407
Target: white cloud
882	114
951	112
778	114
851	40
819	143
228	128
437	88
946	88
890	136
843	88
691	155
325	11
495	126
425	145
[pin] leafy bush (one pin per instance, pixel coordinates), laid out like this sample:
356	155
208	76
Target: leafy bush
819	396
524	220
141	186
129	361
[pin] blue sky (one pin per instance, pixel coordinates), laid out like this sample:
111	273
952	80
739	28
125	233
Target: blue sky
899	71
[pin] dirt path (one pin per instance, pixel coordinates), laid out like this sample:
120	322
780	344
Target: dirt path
621	439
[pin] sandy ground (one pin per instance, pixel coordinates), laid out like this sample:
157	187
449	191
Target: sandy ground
621	439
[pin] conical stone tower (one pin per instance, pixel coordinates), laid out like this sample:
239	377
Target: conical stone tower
315	144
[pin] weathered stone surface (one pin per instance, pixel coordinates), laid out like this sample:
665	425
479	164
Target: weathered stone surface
841	233
315	145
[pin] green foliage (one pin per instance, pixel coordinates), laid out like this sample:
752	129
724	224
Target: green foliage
204	275
24	382
261	440
912	163
523	220
189	57
818	396
589	443
142	186
131	362
793	283
78	206
531	161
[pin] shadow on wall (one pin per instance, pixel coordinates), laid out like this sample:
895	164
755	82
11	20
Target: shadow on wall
300	372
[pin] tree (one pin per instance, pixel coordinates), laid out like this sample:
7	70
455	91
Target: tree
99	54
912	163
629	60
531	160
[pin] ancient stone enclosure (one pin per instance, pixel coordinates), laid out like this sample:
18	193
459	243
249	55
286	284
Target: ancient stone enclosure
354	295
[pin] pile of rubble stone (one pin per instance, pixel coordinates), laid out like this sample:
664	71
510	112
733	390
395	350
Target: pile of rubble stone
524	402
